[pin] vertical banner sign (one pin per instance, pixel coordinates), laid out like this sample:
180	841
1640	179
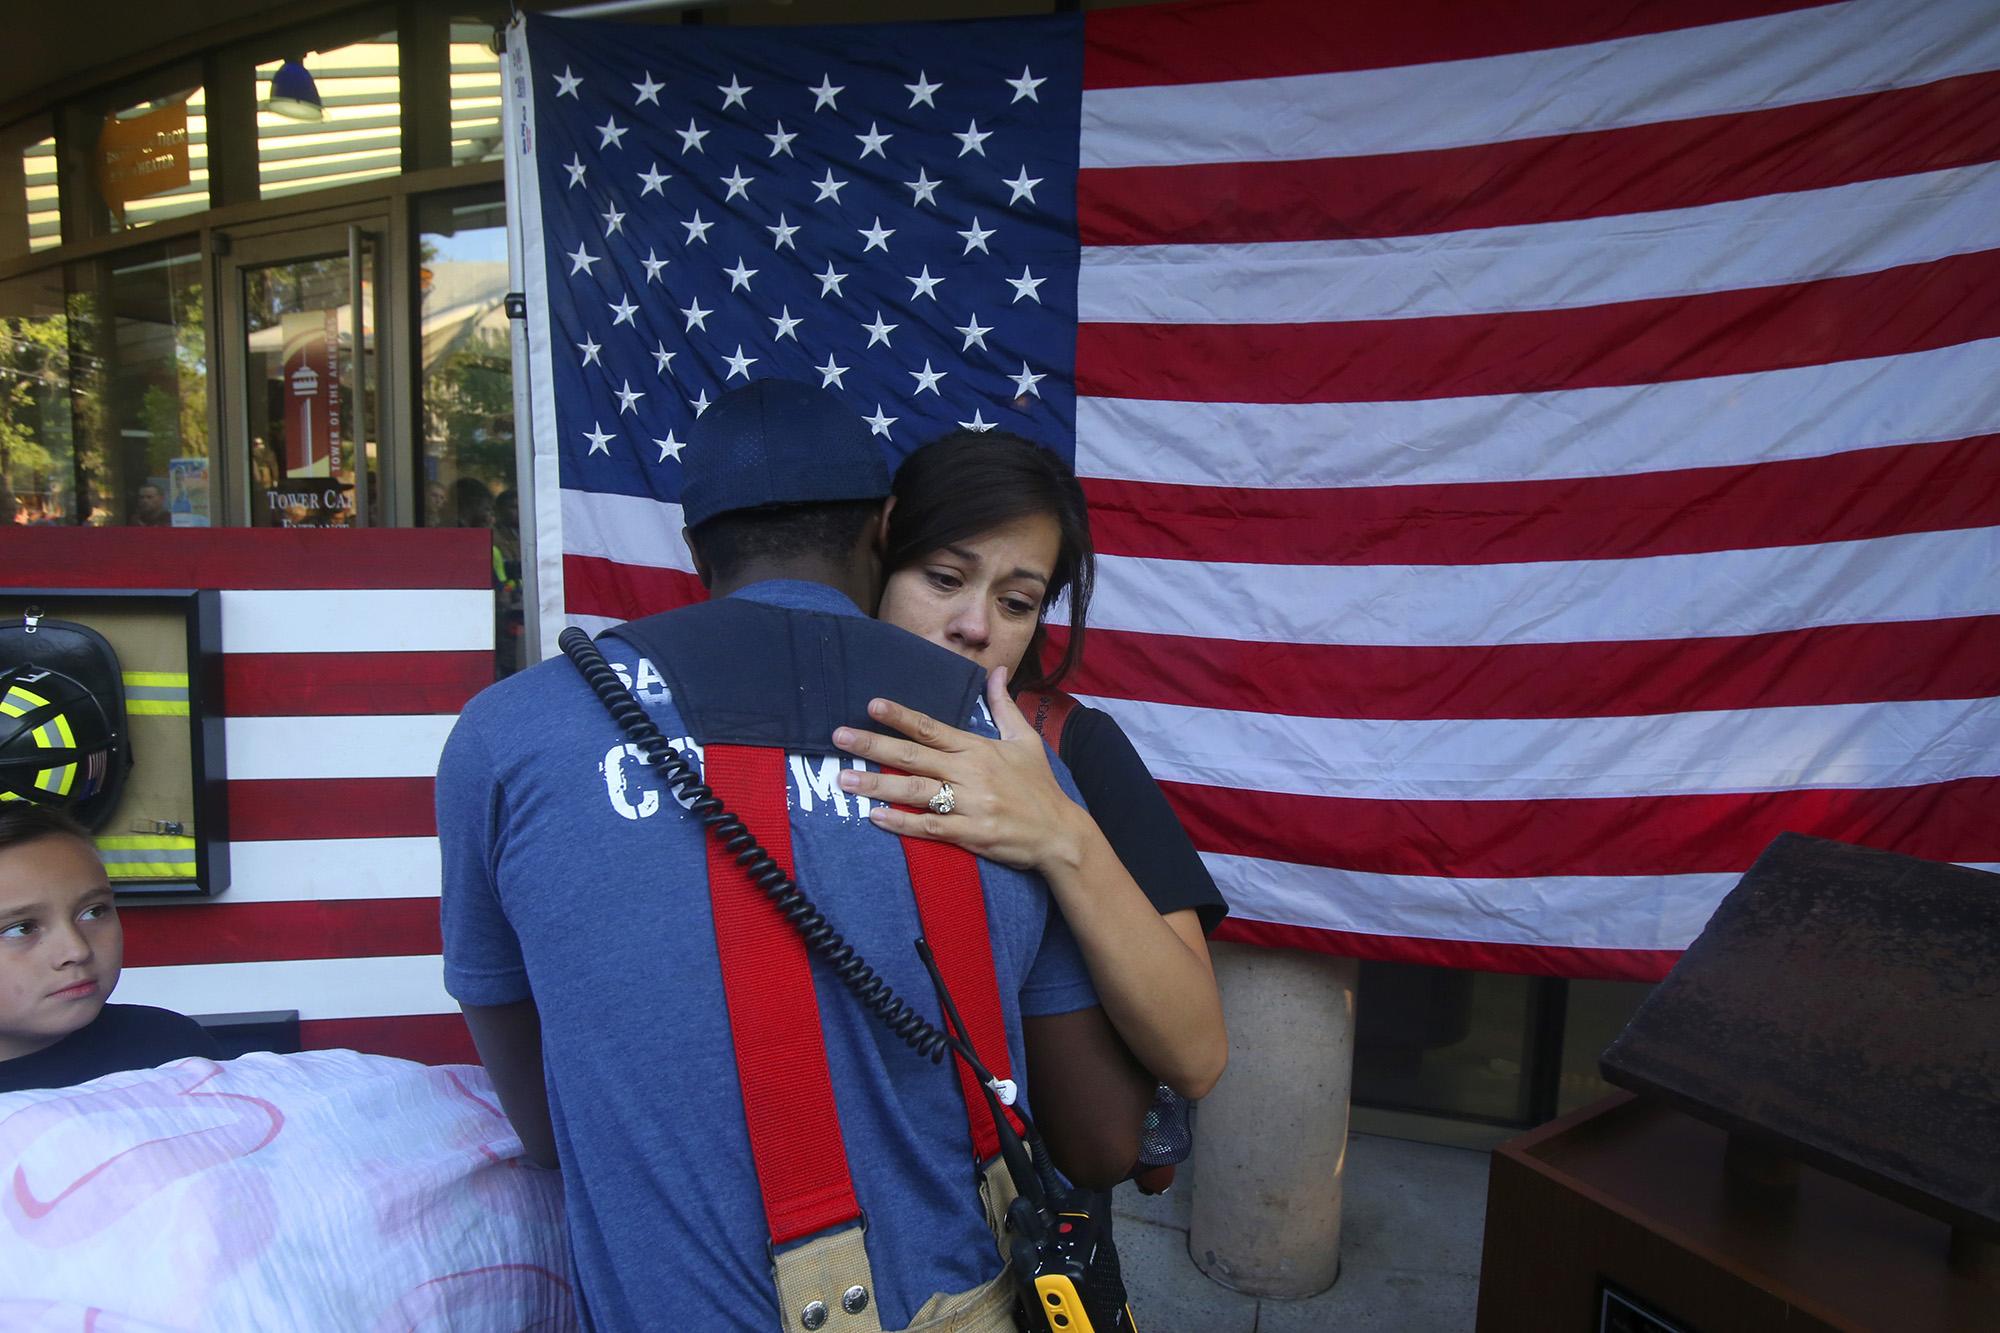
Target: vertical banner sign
312	417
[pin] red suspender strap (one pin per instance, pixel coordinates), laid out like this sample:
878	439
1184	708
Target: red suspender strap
773	1015
951	902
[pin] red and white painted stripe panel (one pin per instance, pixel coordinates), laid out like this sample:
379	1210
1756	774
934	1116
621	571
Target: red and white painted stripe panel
346	658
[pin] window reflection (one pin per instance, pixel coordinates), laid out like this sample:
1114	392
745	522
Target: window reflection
37	430
467	465
475	94
104	408
29	217
359	135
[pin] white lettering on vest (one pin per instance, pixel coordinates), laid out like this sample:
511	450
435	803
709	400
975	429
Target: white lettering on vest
819	778
651	686
617	784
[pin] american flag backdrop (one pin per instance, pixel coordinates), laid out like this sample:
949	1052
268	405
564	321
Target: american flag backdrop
1538	452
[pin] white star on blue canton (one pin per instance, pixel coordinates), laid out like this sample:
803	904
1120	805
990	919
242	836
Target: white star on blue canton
781	142
697	230
975	334
783	319
649	91
1022	186
830	374
1027	285
877	237
700	403
662	356
1025	85
613	220
738	183
628	397
879	332
830	281
921	90
872	141
781	235
652	264
979	425
580	261
923	188
976	238
669	448
623	311
879	424
739	277
739	364
576	169
924	284
828	187
590	348
927	378
696	317
566	84
654	181
824	94
733	93
614	133
600	443
973	140
1025	382
691	138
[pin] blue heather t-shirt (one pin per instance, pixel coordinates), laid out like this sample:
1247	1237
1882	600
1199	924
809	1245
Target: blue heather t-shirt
572	875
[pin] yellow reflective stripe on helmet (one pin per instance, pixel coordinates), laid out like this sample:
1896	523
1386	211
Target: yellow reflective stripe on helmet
19	701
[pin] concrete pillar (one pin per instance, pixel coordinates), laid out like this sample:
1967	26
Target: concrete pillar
1272	1138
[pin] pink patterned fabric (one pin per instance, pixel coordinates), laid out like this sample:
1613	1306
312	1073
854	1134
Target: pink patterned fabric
323	1190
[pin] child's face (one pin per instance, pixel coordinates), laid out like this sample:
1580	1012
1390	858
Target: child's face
61	946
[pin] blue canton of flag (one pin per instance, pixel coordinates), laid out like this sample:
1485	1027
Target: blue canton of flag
886	211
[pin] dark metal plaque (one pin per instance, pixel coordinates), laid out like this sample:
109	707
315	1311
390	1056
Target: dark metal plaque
1842	1006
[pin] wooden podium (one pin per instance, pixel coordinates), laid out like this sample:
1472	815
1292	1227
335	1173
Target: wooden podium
1631	1198
1816	1140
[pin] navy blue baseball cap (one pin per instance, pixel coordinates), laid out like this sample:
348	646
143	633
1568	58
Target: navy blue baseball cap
777	442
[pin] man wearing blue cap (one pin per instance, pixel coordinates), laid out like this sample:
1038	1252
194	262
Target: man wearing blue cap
580	941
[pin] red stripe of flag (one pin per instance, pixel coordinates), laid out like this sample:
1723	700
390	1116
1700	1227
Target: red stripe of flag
236	558
593	586
1625	835
1210	42
431	1039
284	809
1541	960
1850	496
351	684
1897	310
1632	169
226	932
1831	664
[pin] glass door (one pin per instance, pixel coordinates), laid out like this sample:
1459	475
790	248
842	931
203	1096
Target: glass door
302	315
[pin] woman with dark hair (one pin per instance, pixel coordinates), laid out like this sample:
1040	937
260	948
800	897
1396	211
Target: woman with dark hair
987	532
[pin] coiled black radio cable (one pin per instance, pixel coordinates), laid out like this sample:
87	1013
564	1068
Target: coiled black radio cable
820	937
